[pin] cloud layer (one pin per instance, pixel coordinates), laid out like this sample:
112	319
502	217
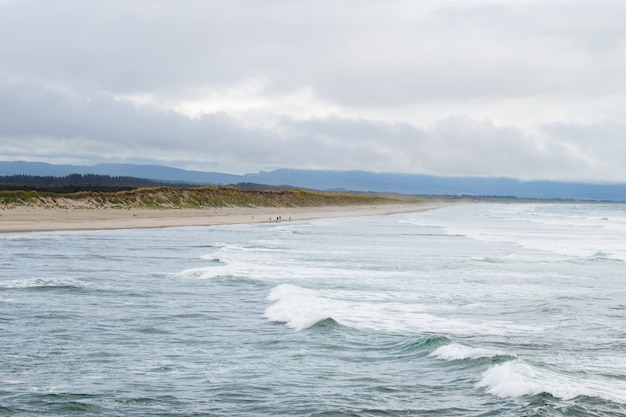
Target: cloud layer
531	89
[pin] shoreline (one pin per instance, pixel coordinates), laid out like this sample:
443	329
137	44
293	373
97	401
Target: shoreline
40	219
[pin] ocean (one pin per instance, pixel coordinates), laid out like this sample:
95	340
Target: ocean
473	309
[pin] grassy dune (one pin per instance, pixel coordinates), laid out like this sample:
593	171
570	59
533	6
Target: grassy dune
201	197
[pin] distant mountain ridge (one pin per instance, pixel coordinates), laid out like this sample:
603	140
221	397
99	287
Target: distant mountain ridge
364	181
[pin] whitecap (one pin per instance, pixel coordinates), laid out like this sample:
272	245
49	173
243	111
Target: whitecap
455	351
297	307
517	378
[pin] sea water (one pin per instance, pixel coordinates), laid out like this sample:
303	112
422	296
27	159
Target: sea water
468	310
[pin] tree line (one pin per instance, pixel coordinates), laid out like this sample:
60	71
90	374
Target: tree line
74	183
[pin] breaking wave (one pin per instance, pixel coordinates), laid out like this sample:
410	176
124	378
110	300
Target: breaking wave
517	378
455	352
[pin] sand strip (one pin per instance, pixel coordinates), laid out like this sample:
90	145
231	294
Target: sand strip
30	219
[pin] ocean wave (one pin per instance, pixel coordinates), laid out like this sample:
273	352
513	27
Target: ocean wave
455	352
201	272
300	308
218	263
487	259
297	307
420	346
517	378
46	282
326	324
272	264
609	256
213	259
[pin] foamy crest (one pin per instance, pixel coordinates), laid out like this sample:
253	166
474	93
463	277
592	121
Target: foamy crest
512	379
275	264
229	260
455	352
297	307
517	378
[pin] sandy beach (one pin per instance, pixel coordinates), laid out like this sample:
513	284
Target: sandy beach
30	219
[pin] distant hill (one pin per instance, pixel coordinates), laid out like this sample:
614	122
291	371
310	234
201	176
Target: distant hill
416	184
363	181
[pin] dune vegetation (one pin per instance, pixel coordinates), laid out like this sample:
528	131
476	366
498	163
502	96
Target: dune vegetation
200	197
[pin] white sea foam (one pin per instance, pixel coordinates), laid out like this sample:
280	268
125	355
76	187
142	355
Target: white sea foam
277	264
455	351
536	228
233	260
44	282
517	378
299	308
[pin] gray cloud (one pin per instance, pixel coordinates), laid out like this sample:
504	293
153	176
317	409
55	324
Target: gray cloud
390	51
59	124
525	89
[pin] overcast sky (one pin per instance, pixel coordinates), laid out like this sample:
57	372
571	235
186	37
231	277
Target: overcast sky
530	89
